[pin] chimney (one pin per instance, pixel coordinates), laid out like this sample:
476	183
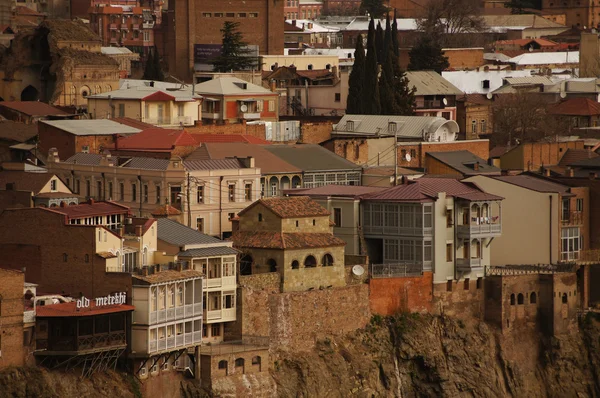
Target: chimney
90	201
571	172
547	172
53	155
273	85
476	166
145	271
138	230
179	266
250	162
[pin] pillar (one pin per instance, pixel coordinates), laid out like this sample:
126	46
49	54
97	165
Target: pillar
197	368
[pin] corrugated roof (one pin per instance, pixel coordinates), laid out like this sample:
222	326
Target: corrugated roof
213	164
334	190
93	159
534	183
209	252
465	162
115	50
278	240
87	159
520	21
141	92
230	86
147	164
166	276
431	83
91	209
574	156
592	163
70	310
157	139
227	138
309	157
472	81
406	126
133	123
33	108
18	132
91	127
267	161
175	233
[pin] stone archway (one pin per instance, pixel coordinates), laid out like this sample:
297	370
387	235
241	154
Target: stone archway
30	93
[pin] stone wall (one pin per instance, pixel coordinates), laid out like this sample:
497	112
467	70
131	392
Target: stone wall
315	132
352	279
389	296
462	298
255	130
11	318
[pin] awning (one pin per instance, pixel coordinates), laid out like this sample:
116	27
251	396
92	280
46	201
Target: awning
23	147
247	100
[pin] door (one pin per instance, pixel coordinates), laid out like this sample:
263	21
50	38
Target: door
160	113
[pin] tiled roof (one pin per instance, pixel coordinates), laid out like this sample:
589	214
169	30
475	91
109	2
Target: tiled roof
534	183
91	209
175	233
577	106
309	157
21	10
592	163
165	210
389	171
33	108
277	240
227	138
523	42
213	164
465	162
498	151
18	132
65	29
156	139
574	156
166	276
25	181
291	207
132	122
209	252
265	160
334	190
70	310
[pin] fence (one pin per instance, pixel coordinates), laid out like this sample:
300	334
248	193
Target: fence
507	270
396	270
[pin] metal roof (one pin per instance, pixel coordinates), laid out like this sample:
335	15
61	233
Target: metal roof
213	164
208	252
230	86
178	234
431	83
91	127
464	162
407	126
92	159
534	183
115	50
546	58
309	157
471	81
147	164
334	190
141	92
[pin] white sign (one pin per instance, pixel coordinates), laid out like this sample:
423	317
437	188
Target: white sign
111	299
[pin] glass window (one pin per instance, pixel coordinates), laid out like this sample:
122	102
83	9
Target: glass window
200	194
427	216
337	216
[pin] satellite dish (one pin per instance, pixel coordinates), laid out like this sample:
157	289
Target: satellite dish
445	101
489	96
358	270
244	108
407	157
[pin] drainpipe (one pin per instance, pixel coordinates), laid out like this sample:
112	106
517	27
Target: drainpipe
141	193
220	207
550	231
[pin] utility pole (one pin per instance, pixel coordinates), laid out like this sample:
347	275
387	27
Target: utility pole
188	201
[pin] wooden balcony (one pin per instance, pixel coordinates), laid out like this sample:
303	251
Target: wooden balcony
469	264
222	315
175	313
483	229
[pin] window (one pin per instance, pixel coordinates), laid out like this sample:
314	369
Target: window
566	209
230	216
215	330
271	106
53	185
474	126
260	217
88	188
65	257
248	192
479	283
327	260
146	193
77	186
449	222
121	191
218	15
232	192
310	262
337	216
206	14
512	299
297	224
133	192
146	35
157	187
200	224
222	364
121	110
338	97
449	254
200	194
259	105
295	264
570	243
579	205
110	190
230	14
242	15
466	283
520	299
349	125
483	126
252	15
449	286
532	298
485	84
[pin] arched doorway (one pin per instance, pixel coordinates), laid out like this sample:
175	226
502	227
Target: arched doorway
310	262
284	183
246	265
30	93
296	183
327	260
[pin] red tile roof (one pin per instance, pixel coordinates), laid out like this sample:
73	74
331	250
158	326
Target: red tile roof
158	96
291	207
576	107
249	139
91	209
523	42
70	310
156	139
281	241
573	156
166	210
33	108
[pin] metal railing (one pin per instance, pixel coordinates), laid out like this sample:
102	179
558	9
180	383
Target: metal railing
525	269
396	270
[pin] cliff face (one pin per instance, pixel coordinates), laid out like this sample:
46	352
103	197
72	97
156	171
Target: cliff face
428	356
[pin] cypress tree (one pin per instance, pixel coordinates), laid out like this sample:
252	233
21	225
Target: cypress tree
427	54
371	104
387	99
395	36
354	104
404	95
379	42
371	33
160	76
149	70
387	39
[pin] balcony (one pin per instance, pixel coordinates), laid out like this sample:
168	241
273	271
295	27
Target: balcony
113	26
249	115
222	315
29	317
485	229
175	342
468	264
219	283
175	313
572	218
185	120
396	270
211	116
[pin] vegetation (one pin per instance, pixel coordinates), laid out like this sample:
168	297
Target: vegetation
355	81
370	90
375	8
427	54
153	70
235	54
519	6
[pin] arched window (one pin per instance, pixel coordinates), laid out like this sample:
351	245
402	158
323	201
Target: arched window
520	299
532	298
239	365
246	265
327	260
256	361
564	298
512	299
310	262
145	257
272	265
223	366
85	91
295	264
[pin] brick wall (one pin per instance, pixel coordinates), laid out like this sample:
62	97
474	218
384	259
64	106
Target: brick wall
354	150
255	130
459	298
461	58
11	318
315	132
12	199
389	296
532	156
480	148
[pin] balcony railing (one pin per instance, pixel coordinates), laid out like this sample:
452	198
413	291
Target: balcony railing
572	218
223	282
224	315
482	229
28	316
396	270
175	313
249	115
210	115
493	270
405	231
468	264
185	120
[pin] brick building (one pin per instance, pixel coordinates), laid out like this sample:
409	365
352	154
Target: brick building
32	189
292	236
474	115
459	164
30	111
155	143
532	156
191	23
11	318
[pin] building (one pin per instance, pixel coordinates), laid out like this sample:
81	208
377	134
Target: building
292	236
11	318
124	56
300	62
216	260
523	26
481	80
434	95
148	104
542	60
72	136
17	140
155	143
233	100
211	190
532	156
167	320
580	14
544	222
87	333
459	164
305	32
33	189
30	112
528	44
579	112
475	115
194	27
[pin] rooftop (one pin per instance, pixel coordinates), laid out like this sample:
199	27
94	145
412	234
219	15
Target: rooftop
472	81
145	93
133	123
91	127
574	156
67	30
379	125
334	190
166	276
175	233
291	207
18	132
93	159
546	58
520	21
156	139
465	163
534	183
228	138
209	252
309	157
91	209
431	83
165	210
25	181
577	106
213	164
278	240
70	309
33	108
230	86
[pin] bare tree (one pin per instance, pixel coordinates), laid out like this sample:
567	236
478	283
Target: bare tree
447	21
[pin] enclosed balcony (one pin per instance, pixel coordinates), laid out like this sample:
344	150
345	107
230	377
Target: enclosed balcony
479	220
470	252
